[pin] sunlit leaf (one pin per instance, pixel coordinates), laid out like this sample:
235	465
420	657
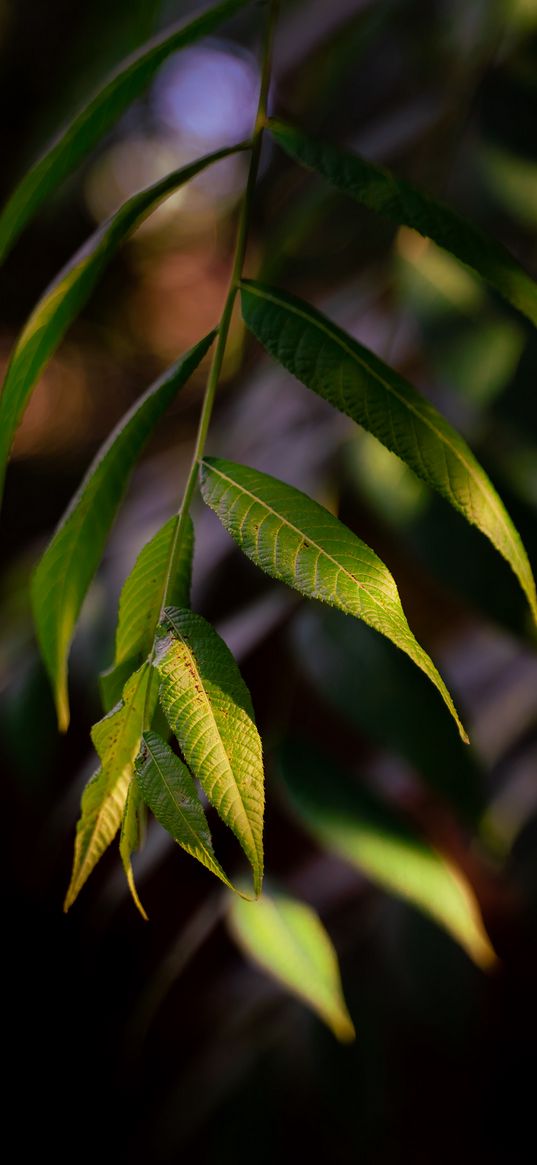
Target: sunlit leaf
208	707
169	791
357	382
288	940
353	823
131	837
380	191
298	542
71	559
164	564
66	296
117	739
97	117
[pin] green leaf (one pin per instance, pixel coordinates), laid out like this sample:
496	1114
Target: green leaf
117	739
298	542
72	557
162	561
131	837
357	383
68	293
380	191
360	828
287	939
169	791
97	117
208	707
113	680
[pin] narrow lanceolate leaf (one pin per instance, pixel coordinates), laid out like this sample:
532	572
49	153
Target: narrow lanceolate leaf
71	559
97	117
131	837
357	383
67	295
288	940
358	826
117	740
297	541
164	565
380	191
169	791
208	707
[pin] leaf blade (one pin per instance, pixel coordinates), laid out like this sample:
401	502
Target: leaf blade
359	384
141	599
380	191
317	554
69	563
97	117
287	939
208	707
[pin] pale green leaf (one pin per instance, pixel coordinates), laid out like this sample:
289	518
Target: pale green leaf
298	542
117	739
359	384
67	295
288	940
131	837
97	117
169	791
162	569
380	191
72	557
352	822
208	707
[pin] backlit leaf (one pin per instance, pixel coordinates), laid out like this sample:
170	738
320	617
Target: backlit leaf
208	707
143	592
288	940
131	837
298	542
71	559
358	383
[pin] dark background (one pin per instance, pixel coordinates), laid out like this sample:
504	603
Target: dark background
144	1042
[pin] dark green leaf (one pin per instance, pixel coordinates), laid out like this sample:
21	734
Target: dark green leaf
355	381
380	191
97	117
297	541
70	561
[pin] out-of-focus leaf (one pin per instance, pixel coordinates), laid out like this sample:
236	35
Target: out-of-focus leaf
364	831
117	739
97	117
68	293
355	381
169	791
298	542
131	836
71	559
380	191
208	707
288	940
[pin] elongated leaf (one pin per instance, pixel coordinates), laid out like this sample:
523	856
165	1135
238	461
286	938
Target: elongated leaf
380	191
97	117
356	382
297	541
364	831
208	707
131	836
67	295
169	791
161	565
71	559
117	740
287	939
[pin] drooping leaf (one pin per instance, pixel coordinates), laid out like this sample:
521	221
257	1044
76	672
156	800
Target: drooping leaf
67	295
352	822
131	837
359	384
97	117
113	680
72	557
163	564
117	739
298	542
288	940
169	791
208	707
380	191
